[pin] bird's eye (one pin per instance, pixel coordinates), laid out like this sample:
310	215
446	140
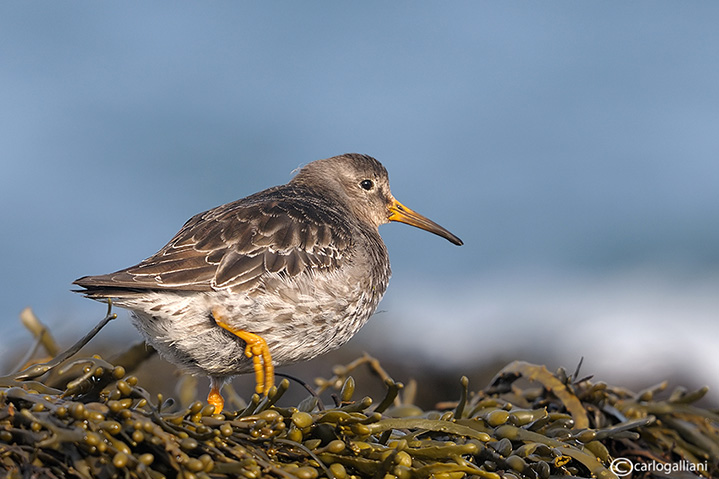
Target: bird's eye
367	184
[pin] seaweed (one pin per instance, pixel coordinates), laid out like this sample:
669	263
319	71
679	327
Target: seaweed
87	418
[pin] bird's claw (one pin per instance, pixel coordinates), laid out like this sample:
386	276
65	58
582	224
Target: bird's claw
257	350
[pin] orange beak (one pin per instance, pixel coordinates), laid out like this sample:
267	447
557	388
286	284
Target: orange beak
399	212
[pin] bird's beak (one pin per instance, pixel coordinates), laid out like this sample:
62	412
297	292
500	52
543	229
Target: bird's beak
399	212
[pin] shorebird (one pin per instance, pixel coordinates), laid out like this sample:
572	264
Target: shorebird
278	277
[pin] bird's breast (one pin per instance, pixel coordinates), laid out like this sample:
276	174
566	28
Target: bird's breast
310	314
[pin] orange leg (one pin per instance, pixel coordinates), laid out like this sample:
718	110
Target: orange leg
215	398
257	350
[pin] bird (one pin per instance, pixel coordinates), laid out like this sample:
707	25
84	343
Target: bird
278	277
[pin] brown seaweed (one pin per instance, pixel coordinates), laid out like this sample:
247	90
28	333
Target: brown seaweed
86	417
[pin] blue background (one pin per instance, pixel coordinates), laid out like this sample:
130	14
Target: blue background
571	145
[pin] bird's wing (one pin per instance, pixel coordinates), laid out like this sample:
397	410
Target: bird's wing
234	245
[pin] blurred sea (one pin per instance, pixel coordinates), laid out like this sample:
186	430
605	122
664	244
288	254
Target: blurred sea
572	146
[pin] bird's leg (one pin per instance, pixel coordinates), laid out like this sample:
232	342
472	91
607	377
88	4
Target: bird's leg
215	398
257	350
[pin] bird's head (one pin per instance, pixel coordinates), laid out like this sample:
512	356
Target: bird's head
362	183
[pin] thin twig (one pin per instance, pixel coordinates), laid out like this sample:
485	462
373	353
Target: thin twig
38	370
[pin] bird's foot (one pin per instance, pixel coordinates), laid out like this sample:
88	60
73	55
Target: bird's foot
216	399
257	350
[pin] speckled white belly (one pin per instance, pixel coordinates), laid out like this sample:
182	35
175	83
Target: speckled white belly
299	319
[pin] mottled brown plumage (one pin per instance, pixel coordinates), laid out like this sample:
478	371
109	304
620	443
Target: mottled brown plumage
286	230
299	266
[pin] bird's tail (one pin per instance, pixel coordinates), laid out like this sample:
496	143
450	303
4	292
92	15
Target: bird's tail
95	287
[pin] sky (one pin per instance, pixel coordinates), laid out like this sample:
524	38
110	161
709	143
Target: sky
571	145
